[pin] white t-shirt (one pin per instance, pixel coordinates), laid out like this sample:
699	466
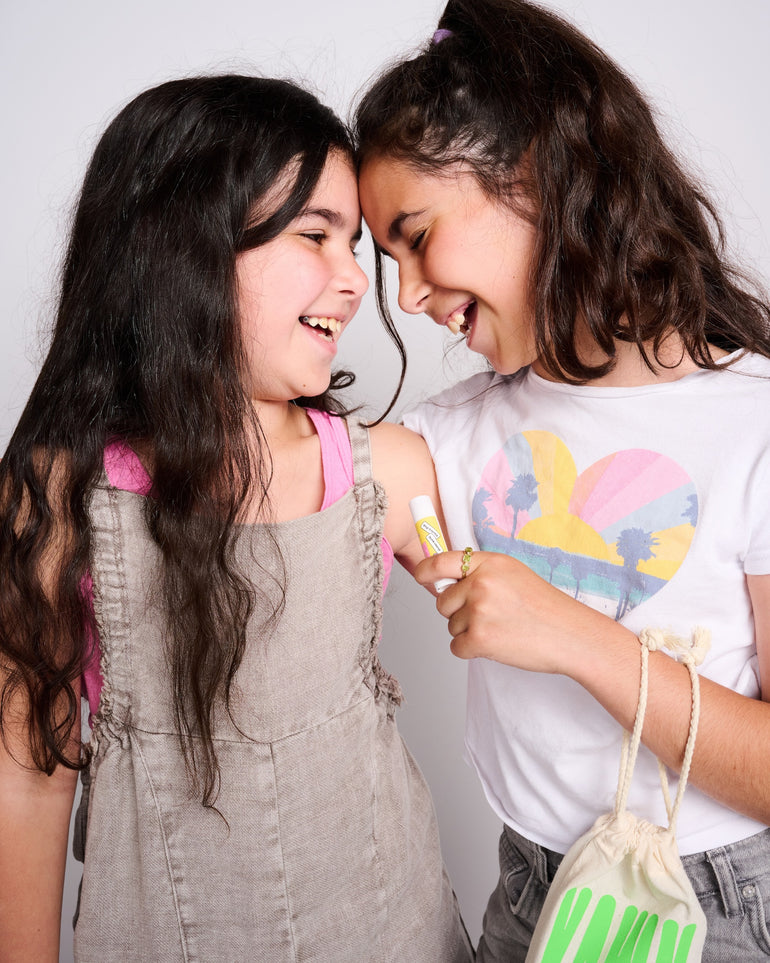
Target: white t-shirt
650	504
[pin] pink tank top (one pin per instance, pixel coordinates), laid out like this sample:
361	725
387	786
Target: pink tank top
124	470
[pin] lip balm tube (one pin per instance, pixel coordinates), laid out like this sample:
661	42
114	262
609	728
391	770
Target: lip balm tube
430	534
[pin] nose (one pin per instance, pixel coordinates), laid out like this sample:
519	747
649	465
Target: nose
413	289
351	278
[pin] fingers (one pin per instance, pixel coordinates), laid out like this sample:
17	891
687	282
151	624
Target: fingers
445	575
444	565
496	609
459	647
470	626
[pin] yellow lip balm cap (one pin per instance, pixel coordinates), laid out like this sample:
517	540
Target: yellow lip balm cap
429	532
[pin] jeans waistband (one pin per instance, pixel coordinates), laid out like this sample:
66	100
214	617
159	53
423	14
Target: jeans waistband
728	872
543	861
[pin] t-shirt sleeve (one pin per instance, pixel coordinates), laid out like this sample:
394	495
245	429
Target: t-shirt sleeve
437	418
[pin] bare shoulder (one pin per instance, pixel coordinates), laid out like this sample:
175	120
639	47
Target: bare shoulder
387	432
400	457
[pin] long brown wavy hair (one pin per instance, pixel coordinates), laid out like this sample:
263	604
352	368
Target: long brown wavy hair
627	241
147	348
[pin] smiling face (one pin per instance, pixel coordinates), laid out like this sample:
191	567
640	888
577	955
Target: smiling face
463	258
297	293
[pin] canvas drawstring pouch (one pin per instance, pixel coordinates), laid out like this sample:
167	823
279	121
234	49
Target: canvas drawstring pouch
621	894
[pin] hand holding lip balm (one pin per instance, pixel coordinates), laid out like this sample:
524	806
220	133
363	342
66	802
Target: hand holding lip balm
429	532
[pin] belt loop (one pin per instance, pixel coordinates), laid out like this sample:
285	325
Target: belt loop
725	877
540	864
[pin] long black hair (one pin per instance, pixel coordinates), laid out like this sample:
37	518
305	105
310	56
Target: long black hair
147	348
627	241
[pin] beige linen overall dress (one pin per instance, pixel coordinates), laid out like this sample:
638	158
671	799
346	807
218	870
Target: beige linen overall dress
326	849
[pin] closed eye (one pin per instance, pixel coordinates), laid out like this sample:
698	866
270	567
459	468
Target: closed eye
417	240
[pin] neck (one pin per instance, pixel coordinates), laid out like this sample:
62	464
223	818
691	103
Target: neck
294	464
630	369
281	421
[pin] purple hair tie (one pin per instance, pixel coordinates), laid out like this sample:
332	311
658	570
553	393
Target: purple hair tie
441	34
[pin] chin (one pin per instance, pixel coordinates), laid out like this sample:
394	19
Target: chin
314	389
509	366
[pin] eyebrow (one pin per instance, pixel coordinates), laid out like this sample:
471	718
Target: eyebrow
394	231
334	218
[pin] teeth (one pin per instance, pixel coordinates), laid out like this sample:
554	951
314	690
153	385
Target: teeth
455	321
328	324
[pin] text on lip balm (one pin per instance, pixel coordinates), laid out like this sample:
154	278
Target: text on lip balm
431	538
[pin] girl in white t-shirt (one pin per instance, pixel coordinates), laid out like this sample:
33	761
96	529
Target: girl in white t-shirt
618	451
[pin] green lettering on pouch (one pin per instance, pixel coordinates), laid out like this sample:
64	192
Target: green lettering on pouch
566	923
668	943
642	951
595	936
624	944
632	944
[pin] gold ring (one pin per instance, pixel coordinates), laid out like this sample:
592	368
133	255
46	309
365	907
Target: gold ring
466	562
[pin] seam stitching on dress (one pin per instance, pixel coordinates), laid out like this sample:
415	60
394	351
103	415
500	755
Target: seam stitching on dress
166	852
283	861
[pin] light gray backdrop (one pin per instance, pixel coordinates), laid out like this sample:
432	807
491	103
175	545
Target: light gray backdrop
67	67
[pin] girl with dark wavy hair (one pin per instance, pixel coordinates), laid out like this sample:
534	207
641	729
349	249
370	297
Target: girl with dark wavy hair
190	528
618	450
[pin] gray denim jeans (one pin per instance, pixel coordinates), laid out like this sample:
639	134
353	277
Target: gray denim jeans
732	884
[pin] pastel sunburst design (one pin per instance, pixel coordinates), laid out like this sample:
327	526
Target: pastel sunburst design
612	536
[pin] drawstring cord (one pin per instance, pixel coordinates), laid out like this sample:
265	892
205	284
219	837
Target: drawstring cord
691	653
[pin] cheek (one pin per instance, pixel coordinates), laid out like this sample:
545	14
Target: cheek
249	287
459	257
441	259
251	309
354	306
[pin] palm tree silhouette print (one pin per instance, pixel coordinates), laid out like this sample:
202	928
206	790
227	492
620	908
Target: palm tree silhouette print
521	496
581	567
554	558
634	545
482	523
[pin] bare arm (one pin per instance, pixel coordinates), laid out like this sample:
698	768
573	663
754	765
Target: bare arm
35	808
504	611
34	826
402	463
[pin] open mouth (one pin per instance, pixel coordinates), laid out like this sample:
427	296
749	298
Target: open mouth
324	327
461	322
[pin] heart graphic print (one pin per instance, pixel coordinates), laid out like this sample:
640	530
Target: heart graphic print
611	536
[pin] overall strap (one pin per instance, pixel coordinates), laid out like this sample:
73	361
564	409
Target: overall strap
371	505
110	600
360	447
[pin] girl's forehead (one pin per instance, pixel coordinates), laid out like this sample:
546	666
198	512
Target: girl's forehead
389	179
383	167
397	177
336	184
388	189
